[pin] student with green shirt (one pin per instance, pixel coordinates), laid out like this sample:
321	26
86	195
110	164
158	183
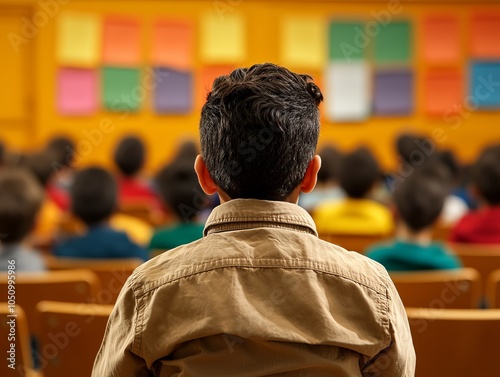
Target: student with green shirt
180	192
419	201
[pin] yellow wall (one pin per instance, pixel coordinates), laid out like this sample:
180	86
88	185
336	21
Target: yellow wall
162	133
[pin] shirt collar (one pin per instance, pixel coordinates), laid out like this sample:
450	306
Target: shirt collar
240	214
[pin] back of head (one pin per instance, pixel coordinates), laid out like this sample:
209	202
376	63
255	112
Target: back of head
41	164
63	150
330	164
359	171
419	200
259	130
486	175
130	155
188	150
93	195
20	199
179	189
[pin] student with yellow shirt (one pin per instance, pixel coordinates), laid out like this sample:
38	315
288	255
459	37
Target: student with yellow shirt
356	214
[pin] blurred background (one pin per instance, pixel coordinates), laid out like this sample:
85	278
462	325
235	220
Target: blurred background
97	70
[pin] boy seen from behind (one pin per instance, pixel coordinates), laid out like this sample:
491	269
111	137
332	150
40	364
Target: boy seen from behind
20	200
419	201
181	193
93	201
483	225
357	214
260	294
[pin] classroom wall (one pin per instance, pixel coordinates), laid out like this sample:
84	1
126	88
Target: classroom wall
28	115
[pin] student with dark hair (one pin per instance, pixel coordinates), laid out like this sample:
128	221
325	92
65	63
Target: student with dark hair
40	164
181	193
327	189
93	201
482	226
62	148
229	304
357	214
419	201
129	158
20	200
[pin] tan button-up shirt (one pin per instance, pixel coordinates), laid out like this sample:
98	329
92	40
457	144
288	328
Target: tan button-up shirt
259	295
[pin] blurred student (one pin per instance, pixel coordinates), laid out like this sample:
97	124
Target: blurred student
93	200
182	195
419	201
62	149
260	294
416	152
20	200
357	214
40	164
327	189
482	226
129	158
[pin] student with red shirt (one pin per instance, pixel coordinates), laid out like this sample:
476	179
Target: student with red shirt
483	225
129	158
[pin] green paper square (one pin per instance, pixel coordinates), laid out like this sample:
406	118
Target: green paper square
121	89
346	42
393	43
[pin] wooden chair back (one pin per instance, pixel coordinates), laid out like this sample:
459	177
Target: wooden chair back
457	289
112	273
455	342
493	290
14	330
69	286
73	333
351	242
483	258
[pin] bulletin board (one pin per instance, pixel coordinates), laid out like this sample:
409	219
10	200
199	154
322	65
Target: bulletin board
384	67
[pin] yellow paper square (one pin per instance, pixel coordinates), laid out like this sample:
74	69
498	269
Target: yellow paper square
222	38
304	42
78	39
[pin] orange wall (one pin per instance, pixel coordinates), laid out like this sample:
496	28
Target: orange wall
466	134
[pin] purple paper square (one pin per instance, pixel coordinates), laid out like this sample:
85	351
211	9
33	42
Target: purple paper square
393	93
173	92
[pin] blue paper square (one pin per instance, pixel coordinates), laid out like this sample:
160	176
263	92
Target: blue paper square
393	93
485	85
173	92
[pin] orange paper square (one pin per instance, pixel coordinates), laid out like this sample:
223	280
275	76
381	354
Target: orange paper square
485	35
121	44
207	77
443	92
441	39
172	44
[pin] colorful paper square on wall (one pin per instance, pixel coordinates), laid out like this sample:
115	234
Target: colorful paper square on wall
76	91
222	38
441	39
172	44
443	92
485	35
303	42
347	95
393	93
485	85
121	90
122	42
393	42
173	92
347	41
78	41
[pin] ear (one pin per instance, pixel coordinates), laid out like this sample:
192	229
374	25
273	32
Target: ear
311	176
206	182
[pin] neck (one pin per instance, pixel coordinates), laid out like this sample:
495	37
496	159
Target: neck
423	237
